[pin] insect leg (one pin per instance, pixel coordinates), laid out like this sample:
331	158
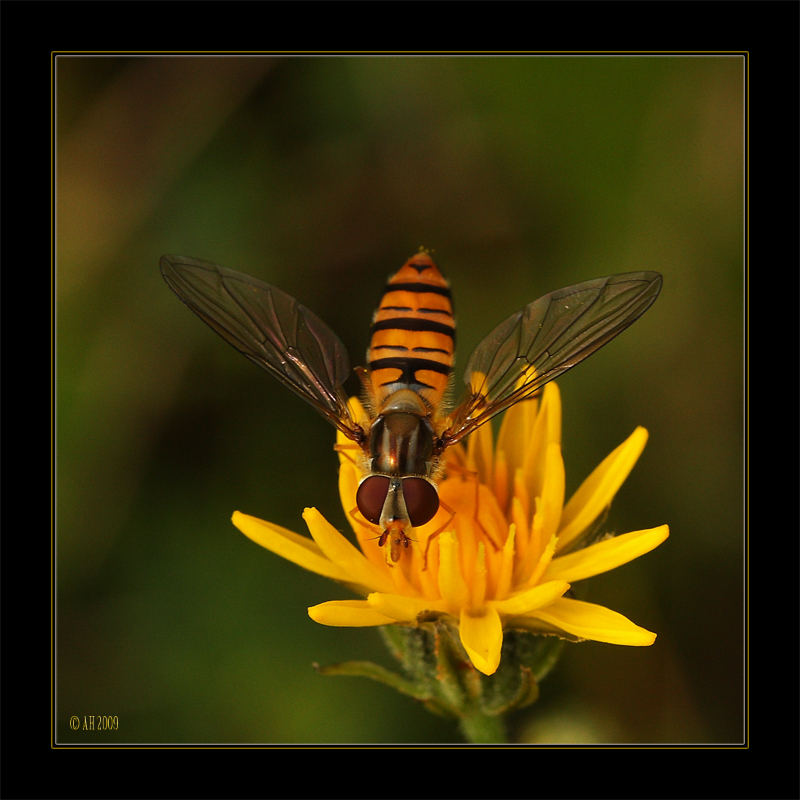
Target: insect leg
471	474
354	512
436	533
343	448
475	516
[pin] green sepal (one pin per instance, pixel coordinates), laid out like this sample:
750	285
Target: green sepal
537	652
439	674
375	672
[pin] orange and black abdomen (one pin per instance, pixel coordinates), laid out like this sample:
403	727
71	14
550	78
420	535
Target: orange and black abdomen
413	333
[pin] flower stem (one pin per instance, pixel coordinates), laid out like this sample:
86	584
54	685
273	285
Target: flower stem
480	728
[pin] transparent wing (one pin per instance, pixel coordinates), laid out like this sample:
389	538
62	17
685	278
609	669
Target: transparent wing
272	329
544	340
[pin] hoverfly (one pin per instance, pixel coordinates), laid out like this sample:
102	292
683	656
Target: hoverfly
409	365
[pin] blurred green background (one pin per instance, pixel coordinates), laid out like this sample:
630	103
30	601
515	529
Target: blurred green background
323	175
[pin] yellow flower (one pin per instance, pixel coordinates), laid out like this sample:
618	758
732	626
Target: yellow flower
504	560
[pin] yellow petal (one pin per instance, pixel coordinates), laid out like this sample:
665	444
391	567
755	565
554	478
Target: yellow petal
522	544
500	479
515	432
506	572
478	582
347	614
289	545
482	637
348	485
358	413
401	608
452	586
551	502
590	621
349	471
606	555
347	557
598	490
546	431
551	405
476	382
531	599
543	563
480	454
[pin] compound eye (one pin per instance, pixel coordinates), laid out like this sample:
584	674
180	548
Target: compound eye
371	496
422	500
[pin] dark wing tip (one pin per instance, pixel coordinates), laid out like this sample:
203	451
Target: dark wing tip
170	264
165	264
652	278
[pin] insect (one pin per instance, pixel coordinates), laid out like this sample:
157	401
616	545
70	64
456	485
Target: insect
409	365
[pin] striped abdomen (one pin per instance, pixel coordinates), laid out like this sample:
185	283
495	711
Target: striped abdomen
413	333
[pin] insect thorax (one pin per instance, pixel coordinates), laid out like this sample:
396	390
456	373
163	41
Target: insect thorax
401	438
